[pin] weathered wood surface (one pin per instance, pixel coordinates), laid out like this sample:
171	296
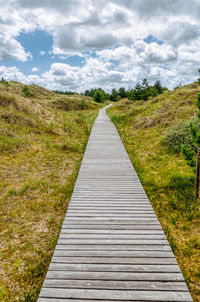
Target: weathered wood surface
111	246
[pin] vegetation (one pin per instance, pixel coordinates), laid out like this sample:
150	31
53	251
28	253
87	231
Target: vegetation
144	91
64	92
114	97
99	96
199	76
165	175
43	135
26	92
4	82
188	152
42	140
91	93
141	91
180	135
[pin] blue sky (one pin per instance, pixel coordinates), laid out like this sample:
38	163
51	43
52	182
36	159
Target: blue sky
79	44
39	44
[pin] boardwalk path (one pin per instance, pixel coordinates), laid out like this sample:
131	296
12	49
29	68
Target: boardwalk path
111	247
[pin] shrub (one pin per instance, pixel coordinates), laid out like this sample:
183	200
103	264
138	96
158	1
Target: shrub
27	92
99	96
178	136
190	154
4	82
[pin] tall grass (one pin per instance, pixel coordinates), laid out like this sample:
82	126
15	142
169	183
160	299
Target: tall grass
41	147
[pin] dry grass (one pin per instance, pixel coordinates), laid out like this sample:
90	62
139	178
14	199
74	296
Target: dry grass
167	179
41	148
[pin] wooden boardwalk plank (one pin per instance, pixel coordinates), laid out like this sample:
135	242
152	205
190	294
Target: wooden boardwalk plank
119	295
128	276
122	254
113	260
123	285
111	246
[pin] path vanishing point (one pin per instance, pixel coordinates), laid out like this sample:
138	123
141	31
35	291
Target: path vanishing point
111	246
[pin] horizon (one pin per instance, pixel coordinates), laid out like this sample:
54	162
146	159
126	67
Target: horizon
79	45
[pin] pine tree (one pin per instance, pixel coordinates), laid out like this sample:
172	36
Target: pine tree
158	86
114	95
122	92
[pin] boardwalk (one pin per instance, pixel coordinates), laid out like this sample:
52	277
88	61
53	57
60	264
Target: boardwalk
111	247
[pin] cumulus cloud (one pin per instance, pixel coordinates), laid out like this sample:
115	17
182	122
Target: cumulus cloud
10	48
113	32
79	25
35	69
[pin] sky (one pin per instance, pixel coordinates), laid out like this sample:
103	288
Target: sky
81	44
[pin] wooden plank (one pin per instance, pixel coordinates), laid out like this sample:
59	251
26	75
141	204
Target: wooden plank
128	276
115	215
113	260
110	207
74	300
67	225
115	294
111	204
123	285
107	236
102	220
109	247
122	254
115	268
113	242
110	232
109	212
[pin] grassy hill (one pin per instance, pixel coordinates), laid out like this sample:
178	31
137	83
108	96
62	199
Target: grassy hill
42	141
165	175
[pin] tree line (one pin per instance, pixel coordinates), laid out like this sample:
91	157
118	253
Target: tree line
142	91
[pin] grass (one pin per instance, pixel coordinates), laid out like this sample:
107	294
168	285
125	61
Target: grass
167	179
41	147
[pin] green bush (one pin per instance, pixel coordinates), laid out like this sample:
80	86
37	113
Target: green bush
4	82
27	92
99	96
178	136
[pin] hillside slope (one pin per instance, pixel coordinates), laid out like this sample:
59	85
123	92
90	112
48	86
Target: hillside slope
42	140
166	177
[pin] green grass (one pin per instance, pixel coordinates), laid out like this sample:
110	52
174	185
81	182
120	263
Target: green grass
41	147
166	177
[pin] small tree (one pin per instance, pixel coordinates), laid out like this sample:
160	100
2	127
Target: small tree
193	157
190	154
26	92
145	84
131	94
99	96
3	81
199	76
114	95
122	92
138	93
158	87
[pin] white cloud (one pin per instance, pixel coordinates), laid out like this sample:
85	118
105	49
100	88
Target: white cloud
105	71
10	48
42	52
113	30
13	73
35	69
